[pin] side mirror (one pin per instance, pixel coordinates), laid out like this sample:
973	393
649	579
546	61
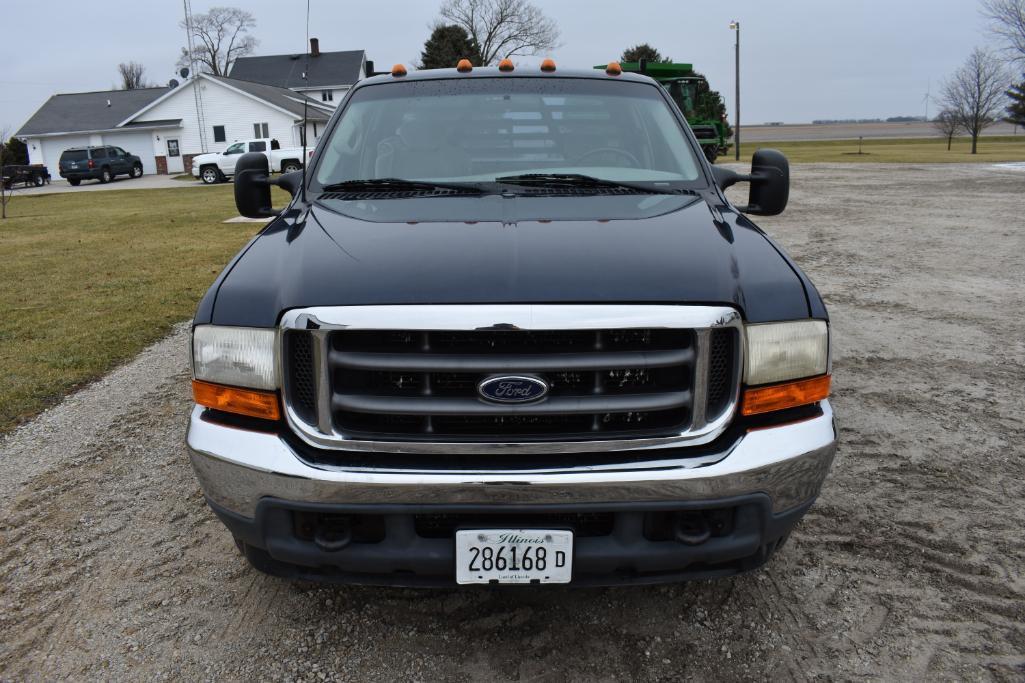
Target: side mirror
252	186
253	183
770	182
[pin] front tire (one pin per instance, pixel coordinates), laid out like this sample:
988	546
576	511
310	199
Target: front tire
105	176
711	153
210	175
137	171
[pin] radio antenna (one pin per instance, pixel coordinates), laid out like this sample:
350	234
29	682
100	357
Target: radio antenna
306	123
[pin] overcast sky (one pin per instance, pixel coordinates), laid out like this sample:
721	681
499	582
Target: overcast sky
800	59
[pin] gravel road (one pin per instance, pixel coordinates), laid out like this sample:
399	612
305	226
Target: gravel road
911	565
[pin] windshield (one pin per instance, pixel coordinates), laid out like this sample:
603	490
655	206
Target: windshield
483	129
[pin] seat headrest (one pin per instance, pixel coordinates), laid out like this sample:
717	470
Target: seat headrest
421	134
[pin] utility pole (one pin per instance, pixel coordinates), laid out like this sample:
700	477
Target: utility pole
735	25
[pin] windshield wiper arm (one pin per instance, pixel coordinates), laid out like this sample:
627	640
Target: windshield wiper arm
397	185
582	180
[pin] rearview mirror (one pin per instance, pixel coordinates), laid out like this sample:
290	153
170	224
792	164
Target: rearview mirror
253	183
770	182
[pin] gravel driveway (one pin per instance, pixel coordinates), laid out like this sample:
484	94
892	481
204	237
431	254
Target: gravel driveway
911	565
147	182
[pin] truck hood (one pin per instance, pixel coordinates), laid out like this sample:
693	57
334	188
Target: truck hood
632	249
209	157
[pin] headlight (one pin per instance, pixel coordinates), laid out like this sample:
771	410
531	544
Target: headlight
777	352
235	356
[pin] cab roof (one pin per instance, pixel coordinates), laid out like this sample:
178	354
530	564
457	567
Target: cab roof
494	72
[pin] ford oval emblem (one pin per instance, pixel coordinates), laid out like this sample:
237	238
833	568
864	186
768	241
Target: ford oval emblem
512	389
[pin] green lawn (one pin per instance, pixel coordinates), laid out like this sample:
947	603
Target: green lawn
88	279
885	150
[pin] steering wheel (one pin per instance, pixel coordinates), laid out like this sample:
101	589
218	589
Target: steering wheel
634	162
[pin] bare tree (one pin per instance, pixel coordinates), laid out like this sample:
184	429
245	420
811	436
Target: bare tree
5	193
1007	21
948	125
975	93
221	36
133	75
502	28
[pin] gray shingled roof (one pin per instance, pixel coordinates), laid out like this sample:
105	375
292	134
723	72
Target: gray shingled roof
82	111
281	97
286	71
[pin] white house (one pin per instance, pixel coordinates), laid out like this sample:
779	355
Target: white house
323	76
165	127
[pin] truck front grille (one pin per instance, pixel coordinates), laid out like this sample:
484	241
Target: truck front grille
705	132
347	385
600	381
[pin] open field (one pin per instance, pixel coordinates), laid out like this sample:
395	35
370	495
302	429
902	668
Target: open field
910	566
89	279
846	131
910	151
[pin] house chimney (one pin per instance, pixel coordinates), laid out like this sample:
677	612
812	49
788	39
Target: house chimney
314	47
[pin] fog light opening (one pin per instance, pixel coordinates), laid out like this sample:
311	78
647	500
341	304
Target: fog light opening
333	534
692	528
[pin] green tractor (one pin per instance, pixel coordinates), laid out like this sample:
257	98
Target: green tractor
685	88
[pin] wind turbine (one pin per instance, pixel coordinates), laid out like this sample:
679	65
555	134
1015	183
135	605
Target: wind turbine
928	89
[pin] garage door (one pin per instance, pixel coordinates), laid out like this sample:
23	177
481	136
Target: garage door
140	144
52	148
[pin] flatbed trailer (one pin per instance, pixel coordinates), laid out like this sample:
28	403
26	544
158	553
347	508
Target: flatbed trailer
27	174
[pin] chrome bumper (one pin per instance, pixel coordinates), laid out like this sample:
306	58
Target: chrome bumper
237	468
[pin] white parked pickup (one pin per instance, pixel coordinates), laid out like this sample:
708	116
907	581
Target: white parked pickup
217	166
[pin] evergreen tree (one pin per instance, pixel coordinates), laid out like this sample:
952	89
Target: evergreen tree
644	51
13	153
446	46
1016	109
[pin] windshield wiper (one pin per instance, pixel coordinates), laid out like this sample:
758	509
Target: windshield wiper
585	181
398	185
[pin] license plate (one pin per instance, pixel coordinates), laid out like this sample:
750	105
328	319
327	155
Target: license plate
514	556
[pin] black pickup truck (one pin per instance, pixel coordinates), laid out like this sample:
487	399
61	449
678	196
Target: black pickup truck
509	329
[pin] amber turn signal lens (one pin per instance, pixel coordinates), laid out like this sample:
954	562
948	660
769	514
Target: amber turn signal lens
613	69
786	395
262	404
398	70
506	65
548	64
464	66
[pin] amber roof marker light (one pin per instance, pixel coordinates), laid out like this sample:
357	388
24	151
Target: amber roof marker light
464	66
548	65
614	69
398	70
506	65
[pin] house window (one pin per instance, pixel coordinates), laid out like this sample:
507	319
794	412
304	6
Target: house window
219	135
261	130
327	96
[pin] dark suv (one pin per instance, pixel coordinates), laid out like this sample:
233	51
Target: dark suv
98	163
